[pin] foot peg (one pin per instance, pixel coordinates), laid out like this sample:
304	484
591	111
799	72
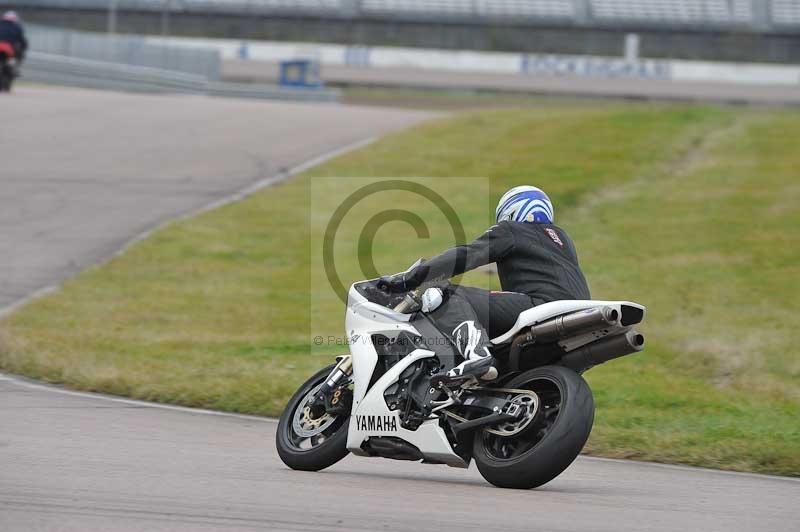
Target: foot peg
481	369
490	375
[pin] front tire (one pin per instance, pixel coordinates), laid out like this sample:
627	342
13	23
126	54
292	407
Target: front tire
555	438
310	447
6	77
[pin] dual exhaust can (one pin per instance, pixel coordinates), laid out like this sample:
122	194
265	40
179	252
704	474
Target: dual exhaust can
572	324
603	350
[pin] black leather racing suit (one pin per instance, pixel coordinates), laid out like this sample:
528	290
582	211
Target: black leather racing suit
12	33
536	263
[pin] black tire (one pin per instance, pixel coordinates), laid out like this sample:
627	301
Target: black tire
6	77
554	440
323	455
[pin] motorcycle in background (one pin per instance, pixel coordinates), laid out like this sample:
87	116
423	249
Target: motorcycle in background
8	66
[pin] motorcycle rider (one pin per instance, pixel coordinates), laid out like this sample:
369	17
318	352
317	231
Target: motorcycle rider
13	35
536	262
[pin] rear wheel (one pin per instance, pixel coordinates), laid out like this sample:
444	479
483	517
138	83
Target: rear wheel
306	443
543	450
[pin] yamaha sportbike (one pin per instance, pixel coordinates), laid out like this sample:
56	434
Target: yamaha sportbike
522	429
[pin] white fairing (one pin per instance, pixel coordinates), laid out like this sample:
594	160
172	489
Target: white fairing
371	416
364	319
550	310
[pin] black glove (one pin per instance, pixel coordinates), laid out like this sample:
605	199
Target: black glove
403	281
398	282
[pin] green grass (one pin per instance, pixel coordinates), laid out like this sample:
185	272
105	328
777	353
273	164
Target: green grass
693	211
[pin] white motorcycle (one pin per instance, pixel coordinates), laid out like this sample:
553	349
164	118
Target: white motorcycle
522	429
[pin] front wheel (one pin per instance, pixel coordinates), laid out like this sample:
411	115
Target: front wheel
309	444
554	438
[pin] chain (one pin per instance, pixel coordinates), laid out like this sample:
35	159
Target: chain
501	390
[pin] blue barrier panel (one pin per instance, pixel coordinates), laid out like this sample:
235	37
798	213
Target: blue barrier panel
300	73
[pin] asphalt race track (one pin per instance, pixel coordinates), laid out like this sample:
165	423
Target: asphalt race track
81	173
76	462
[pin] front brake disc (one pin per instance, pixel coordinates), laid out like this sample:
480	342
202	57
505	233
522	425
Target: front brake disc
303	424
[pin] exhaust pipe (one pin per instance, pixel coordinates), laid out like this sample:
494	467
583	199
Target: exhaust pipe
603	350
574	324
571	324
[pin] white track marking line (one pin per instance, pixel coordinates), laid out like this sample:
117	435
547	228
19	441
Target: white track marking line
36	294
25	383
231	198
249	190
689	469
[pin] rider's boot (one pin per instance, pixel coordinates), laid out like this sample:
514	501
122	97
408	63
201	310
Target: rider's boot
473	345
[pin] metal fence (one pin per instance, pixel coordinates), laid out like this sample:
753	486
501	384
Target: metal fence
130	63
676	11
754	14
77	72
72	71
785	12
126	50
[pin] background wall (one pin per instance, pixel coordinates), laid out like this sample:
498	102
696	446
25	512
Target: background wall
777	46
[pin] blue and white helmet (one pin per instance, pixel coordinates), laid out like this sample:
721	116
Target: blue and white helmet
525	204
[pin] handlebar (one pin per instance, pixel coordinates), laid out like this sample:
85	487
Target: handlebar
410	299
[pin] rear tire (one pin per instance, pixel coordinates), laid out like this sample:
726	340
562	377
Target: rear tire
540	454
320	454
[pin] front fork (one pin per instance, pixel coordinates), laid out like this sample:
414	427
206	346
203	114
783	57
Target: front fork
331	397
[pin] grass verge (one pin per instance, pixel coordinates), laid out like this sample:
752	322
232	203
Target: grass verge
690	210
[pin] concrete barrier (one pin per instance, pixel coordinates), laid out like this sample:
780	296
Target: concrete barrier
583	66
